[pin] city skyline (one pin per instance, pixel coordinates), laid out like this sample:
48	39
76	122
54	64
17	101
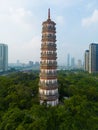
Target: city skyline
20	27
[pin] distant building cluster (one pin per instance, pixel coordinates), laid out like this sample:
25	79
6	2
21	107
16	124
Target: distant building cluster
3	57
72	64
25	66
91	58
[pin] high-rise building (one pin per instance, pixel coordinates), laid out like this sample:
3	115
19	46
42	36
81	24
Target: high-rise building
79	64
93	58
31	63
86	60
3	57
68	61
72	63
48	85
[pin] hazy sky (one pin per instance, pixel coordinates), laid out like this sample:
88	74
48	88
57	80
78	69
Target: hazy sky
21	24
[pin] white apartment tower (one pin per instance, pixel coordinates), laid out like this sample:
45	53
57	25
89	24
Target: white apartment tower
48	85
3	57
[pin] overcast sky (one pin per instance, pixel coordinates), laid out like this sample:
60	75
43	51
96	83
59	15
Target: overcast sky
21	24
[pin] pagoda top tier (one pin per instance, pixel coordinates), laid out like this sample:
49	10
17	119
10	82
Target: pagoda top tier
49	20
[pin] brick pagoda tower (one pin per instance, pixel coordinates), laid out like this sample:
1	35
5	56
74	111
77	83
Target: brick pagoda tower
48	85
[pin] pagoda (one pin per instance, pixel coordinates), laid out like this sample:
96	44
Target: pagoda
48	85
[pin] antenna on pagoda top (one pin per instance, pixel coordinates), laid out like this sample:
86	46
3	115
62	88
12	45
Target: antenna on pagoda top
49	13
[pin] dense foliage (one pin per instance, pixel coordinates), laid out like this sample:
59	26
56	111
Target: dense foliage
20	109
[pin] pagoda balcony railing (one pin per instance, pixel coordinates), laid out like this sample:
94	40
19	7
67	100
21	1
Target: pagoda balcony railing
46	38
49	73
48	55
44	74
48	30
48	85
48	67
48	64
48	47
49	97
48	76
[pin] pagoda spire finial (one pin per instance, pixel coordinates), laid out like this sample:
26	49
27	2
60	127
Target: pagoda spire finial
49	13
